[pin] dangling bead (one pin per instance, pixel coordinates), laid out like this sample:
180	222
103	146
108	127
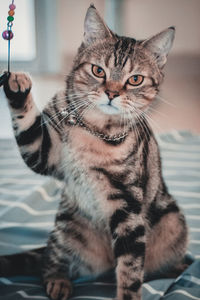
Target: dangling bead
7	35
11	13
10	18
12	6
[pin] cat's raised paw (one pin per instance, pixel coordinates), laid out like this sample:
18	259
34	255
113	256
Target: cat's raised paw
17	88
58	289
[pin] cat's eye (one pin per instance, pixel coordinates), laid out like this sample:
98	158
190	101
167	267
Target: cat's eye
98	71
135	80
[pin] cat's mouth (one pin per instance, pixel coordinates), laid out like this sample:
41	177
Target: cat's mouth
109	109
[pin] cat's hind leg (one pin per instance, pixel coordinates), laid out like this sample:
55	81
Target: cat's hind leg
167	242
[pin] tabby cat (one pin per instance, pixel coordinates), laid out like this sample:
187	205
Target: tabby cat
115	210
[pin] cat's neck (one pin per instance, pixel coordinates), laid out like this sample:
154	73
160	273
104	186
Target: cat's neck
110	128
107	128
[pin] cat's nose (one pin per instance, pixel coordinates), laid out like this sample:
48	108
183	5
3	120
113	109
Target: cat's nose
112	94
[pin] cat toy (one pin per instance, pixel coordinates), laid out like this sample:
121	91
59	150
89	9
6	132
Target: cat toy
8	35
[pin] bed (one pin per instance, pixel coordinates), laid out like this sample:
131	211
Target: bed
28	203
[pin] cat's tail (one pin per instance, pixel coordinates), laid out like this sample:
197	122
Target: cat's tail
26	263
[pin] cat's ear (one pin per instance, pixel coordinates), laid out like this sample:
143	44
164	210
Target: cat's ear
160	45
94	27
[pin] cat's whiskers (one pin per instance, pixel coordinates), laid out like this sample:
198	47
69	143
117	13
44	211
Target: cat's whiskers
50	119
153	110
137	131
64	165
120	121
57	114
127	122
150	109
141	117
77	102
85	110
72	112
123	121
93	93
151	121
72	92
141	121
133	127
72	97
165	101
63	100
54	116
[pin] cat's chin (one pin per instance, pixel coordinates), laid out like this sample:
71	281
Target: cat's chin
109	109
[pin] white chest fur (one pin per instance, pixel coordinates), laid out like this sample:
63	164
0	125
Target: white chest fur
81	154
81	188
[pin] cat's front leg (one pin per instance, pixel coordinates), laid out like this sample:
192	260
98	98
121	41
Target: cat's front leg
39	142
129	241
55	269
58	289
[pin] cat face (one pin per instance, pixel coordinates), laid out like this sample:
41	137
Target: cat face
118	76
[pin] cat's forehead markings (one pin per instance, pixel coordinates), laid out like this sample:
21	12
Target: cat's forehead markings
110	61
128	67
123	50
110	64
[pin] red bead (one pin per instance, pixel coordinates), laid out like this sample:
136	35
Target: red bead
12	6
7	35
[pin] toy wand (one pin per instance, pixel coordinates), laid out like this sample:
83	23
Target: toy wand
8	35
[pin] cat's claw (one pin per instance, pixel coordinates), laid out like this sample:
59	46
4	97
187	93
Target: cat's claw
58	289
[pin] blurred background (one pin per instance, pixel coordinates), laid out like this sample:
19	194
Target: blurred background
47	34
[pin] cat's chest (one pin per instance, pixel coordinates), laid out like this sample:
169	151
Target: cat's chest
83	154
90	151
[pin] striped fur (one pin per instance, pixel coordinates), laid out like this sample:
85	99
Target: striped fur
115	210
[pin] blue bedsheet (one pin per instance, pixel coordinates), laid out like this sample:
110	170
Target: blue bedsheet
28	203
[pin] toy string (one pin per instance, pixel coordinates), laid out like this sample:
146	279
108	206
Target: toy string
9	27
8	35
8	56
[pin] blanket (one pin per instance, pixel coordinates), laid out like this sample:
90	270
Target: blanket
28	203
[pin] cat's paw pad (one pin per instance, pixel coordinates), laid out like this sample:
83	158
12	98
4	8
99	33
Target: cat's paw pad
19	82
17	88
58	289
